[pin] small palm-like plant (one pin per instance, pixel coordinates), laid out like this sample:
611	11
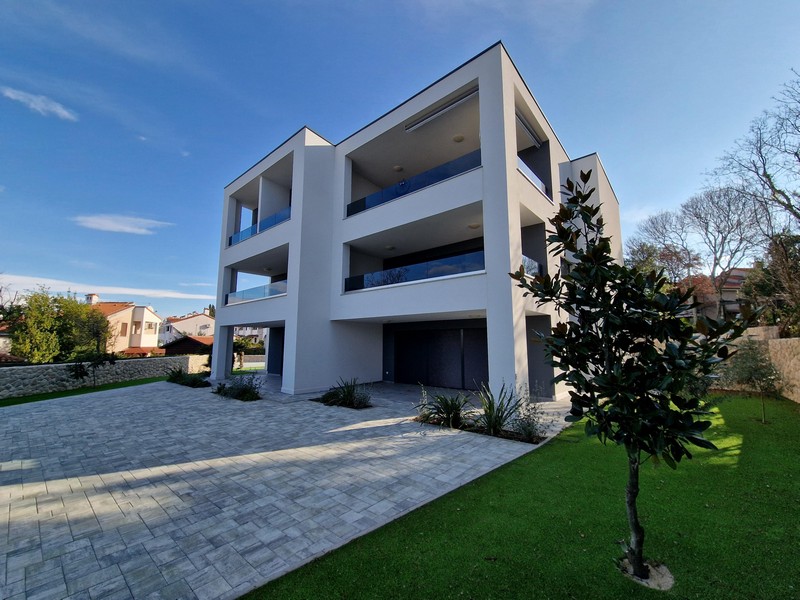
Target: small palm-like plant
443	409
349	393
497	413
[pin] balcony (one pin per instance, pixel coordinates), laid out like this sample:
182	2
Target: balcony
531	176
277	288
417	182
263	225
453	265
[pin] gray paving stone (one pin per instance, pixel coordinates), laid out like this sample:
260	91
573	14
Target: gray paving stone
108	587
166	492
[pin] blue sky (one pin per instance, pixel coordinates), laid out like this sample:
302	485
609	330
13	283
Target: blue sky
121	122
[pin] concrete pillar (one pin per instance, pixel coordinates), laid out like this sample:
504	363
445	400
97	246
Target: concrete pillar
505	313
222	356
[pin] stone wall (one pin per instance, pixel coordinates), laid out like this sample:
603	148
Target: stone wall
785	355
767	332
40	379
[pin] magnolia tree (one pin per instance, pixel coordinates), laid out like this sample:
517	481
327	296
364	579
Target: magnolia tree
635	366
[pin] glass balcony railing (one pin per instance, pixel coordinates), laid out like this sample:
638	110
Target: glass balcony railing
272	220
263	291
242	235
263	225
532	267
417	182
453	265
531	176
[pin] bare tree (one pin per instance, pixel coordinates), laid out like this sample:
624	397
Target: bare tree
766	163
723	219
666	238
9	304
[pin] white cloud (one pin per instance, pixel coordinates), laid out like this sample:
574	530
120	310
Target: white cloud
141	138
41	104
196	284
2	189
185	153
120	223
21	283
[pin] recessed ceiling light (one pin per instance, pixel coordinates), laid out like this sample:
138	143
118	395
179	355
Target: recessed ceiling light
474	225
458	138
397	168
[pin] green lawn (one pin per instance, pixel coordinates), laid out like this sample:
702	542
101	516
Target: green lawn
545	526
77	392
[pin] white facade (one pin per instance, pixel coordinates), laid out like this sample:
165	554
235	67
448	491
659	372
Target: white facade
196	324
386	256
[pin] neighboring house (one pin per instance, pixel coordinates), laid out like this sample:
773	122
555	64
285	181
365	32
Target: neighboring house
254	334
189	344
730	291
5	338
386	256
196	324
134	329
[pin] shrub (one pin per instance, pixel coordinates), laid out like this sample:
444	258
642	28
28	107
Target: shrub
348	393
498	413
193	380
530	422
243	387
448	411
752	369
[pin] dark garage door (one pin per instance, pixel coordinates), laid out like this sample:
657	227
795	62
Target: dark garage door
454	358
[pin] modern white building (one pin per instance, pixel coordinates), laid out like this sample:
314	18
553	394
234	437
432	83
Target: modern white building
386	256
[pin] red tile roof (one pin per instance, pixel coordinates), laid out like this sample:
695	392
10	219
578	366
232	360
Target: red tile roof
110	308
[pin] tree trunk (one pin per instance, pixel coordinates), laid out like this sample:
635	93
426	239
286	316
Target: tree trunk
636	546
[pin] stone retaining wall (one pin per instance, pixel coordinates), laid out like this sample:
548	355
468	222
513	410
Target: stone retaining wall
41	379
785	355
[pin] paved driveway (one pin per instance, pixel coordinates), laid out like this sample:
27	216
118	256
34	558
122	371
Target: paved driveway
161	491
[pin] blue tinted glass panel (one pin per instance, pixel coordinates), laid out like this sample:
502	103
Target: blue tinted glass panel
242	235
277	218
417	182
453	265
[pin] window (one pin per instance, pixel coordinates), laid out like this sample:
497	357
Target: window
137	327
123	330
149	326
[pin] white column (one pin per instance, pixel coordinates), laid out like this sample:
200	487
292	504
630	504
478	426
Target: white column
222	356
505	313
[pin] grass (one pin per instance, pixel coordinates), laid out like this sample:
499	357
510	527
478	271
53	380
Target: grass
546	525
78	391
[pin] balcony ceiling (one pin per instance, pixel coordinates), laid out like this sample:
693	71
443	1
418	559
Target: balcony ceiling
426	147
273	262
445	228
280	173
